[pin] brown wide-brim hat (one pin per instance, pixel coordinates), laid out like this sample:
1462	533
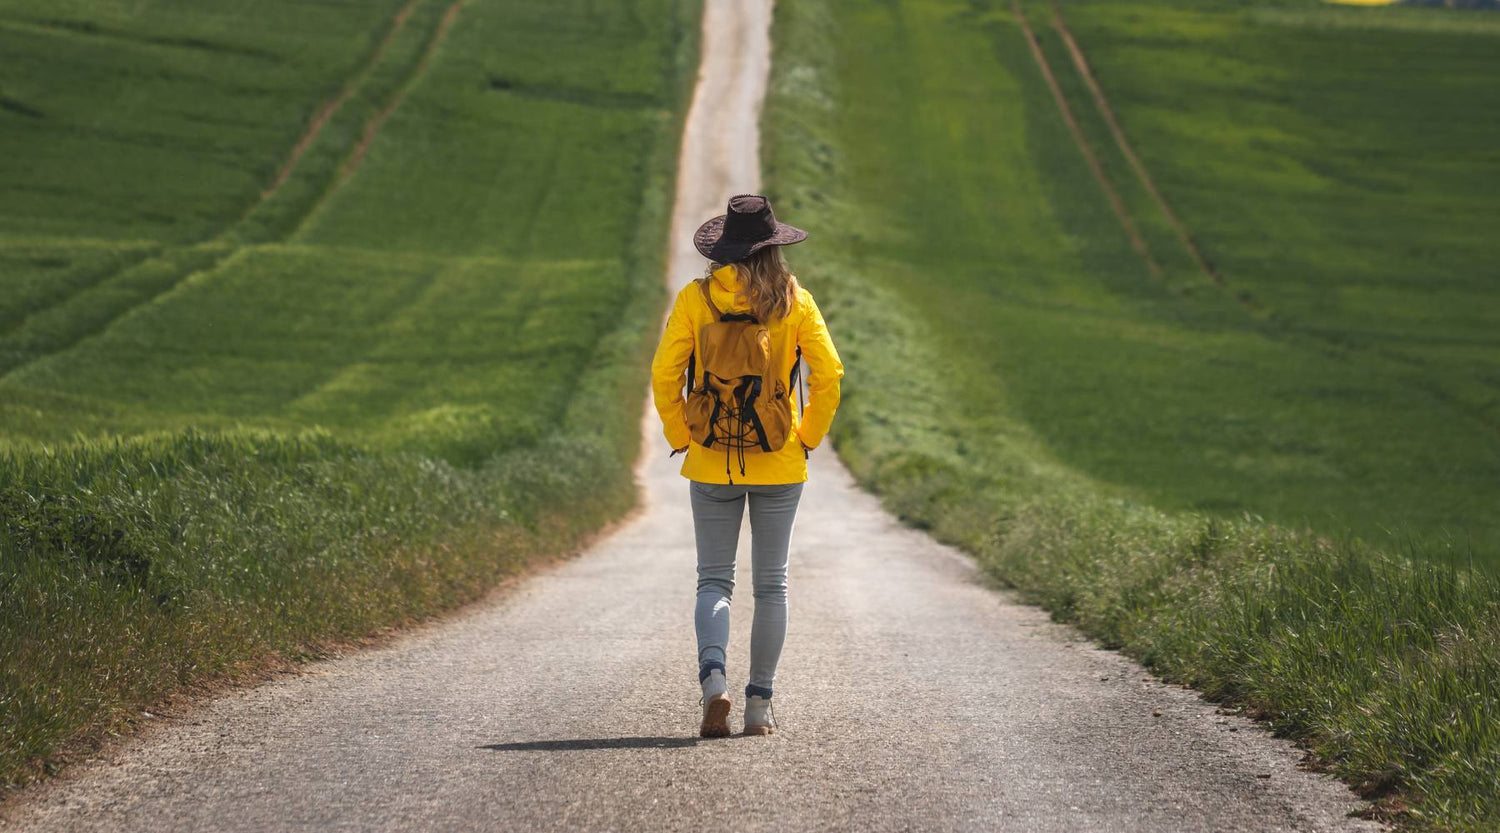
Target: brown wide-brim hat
749	227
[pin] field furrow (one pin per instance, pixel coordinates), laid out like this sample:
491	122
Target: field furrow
1468	400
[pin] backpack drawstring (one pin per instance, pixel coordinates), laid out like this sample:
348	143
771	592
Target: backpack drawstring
726	464
737	428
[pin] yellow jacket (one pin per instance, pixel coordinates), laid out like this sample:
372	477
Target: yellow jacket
802	327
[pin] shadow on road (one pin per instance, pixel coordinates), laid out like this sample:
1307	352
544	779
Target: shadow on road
592	743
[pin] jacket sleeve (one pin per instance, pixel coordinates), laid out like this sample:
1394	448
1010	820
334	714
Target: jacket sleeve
824	372
667	369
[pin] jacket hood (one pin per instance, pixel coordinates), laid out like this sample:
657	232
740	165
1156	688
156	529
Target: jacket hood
725	288
727	277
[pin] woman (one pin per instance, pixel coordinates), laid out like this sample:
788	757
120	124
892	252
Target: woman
746	277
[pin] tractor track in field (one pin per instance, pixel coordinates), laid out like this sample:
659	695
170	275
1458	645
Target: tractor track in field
1127	150
315	127
319	121
218	256
132	259
1086	73
1412	369
373	127
321	118
1411	372
1116	203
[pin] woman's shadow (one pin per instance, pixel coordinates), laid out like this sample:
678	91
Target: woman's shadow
594	743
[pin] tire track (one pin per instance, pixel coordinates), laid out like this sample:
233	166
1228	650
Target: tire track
1085	72
1413	371
320	120
203	258
372	127
1117	204
93	279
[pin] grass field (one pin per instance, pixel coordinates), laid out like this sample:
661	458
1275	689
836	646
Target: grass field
1213	469
1336	167
1355	390
314	319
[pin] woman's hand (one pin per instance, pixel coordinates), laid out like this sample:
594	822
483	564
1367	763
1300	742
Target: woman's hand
677	451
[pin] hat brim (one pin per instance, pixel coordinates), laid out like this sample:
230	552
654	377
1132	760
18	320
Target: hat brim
710	242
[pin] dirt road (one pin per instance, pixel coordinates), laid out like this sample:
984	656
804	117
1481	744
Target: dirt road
910	697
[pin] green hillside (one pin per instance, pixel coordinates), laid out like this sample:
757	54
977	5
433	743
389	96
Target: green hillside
1179	452
314	318
1339	182
1336	166
428	299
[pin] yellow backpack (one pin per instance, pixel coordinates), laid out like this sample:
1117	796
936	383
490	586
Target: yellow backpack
735	399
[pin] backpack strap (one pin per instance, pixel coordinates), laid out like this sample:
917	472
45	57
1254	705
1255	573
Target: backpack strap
692	357
708	298
796	382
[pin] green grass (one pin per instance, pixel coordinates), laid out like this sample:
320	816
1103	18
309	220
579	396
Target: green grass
240	419
1338	176
162	121
1203	486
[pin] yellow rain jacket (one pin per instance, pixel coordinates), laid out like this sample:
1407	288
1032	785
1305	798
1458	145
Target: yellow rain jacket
802	327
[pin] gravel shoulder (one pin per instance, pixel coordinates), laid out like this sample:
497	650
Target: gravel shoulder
910	696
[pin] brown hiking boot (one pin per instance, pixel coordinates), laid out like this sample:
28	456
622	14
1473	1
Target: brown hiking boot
715	717
759	719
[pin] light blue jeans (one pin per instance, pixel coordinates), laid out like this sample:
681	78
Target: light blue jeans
717	512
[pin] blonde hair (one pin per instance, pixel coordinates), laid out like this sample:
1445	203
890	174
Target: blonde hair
765	283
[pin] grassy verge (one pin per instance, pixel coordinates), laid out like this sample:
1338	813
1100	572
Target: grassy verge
983	292
378	393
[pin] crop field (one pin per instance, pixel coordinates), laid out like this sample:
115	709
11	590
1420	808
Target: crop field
412	302
1250	437
1338	180
314	319
1337	168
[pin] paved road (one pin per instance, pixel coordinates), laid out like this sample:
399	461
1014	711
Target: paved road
910	697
